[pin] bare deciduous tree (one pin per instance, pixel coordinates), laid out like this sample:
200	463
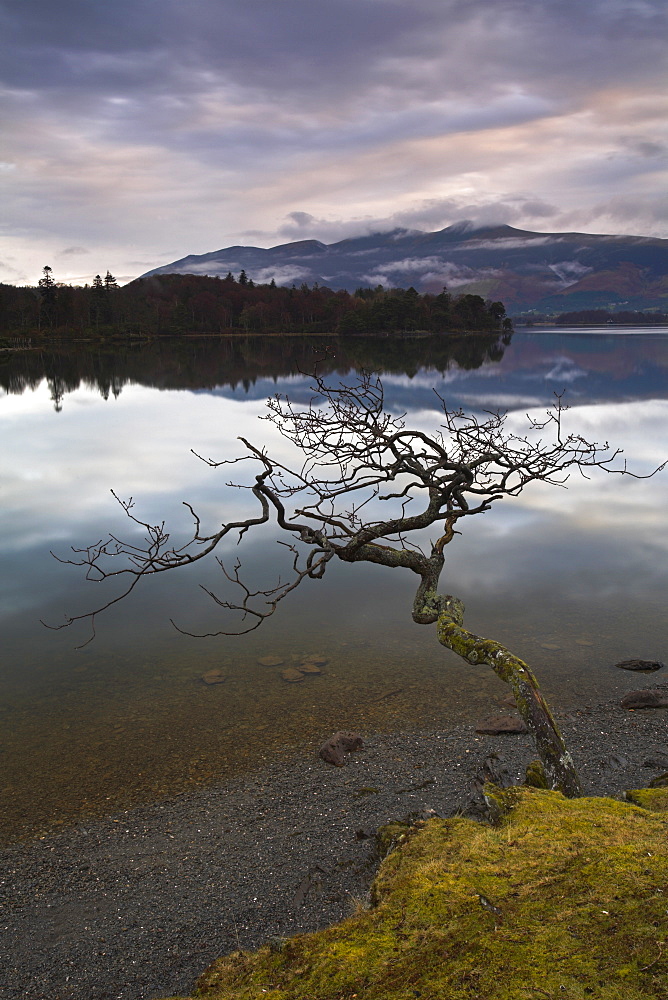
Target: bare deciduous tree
366	489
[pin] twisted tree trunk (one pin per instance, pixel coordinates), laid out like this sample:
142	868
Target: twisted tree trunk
557	761
447	612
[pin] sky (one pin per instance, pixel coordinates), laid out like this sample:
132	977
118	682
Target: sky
138	132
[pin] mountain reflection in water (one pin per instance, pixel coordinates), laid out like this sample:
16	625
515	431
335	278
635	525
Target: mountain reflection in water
571	580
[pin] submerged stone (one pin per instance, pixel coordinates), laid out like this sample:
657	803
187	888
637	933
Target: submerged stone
214	677
271	661
645	665
292	676
309	668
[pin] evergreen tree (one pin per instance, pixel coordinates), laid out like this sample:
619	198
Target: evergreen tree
47	287
98	298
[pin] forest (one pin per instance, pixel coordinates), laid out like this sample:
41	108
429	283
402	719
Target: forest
174	304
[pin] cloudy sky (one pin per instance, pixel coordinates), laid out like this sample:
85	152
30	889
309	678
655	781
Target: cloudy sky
139	131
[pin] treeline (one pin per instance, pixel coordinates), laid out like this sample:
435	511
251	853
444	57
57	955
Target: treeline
186	303
598	317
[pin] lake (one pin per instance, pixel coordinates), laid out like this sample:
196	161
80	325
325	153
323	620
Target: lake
571	580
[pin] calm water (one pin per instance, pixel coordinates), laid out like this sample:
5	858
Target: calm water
572	580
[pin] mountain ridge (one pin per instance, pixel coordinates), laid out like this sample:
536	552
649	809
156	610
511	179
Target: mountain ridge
529	271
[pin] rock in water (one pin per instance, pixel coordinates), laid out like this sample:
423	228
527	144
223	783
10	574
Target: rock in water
333	749
292	676
647	665
645	699
317	659
501	724
213	677
309	668
271	661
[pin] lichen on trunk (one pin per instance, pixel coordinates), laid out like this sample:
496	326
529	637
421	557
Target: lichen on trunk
448	613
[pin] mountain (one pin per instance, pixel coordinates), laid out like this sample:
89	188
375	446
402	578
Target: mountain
546	272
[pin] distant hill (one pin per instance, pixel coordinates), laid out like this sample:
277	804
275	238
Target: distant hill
546	272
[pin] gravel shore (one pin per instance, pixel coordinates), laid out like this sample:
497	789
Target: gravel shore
136	906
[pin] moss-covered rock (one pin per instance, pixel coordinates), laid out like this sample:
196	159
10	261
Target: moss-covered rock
563	898
655	799
535	775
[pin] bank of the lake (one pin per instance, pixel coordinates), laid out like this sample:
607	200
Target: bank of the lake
137	905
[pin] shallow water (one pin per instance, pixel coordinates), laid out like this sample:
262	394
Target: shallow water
571	580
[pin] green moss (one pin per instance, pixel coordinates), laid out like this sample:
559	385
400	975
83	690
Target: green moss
366	790
535	775
654	799
388	836
564	898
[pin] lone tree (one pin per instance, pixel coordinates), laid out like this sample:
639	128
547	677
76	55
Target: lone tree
365	489
48	292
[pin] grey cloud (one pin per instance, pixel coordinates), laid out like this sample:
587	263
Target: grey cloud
73	251
303	225
281	275
511	210
441	273
430	215
153	118
345	55
626	208
539	209
10	270
648	148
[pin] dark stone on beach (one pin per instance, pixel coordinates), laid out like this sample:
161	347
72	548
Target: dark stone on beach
645	699
336	746
659	782
647	665
656	761
616	762
500	724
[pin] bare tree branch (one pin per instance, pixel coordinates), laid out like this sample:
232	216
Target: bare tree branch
365	488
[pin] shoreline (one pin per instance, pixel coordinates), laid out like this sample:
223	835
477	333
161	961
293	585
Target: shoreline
135	906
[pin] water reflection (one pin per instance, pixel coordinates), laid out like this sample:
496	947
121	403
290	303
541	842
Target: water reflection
250	365
572	580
